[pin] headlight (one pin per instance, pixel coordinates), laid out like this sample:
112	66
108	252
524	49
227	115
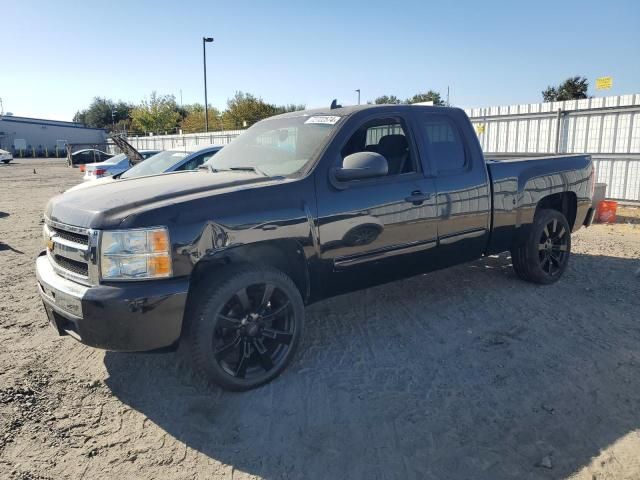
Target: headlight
135	254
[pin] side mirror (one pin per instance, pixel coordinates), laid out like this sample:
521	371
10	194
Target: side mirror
362	165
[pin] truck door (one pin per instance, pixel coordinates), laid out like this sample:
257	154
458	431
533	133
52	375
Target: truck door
464	197
382	226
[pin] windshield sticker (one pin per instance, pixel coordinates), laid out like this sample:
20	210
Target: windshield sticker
324	119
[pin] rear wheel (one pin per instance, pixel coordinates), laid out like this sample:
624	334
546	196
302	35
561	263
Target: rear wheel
244	329
544	256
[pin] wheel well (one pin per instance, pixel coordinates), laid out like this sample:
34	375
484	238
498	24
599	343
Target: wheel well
564	202
285	255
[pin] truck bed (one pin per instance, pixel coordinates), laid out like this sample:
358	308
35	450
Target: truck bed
519	184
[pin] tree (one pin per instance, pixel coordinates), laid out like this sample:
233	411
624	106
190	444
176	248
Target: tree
291	107
429	96
159	114
104	113
193	121
245	109
571	89
385	99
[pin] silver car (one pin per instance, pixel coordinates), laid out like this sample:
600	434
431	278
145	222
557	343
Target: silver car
112	166
163	162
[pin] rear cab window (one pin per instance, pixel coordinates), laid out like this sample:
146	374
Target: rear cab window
443	143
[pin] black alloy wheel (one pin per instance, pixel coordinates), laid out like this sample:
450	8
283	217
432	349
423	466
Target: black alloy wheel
543	256
243	326
553	247
254	331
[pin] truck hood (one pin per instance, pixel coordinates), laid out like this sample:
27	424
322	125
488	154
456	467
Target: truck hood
106	205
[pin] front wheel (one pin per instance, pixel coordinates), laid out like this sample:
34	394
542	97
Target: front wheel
244	328
544	255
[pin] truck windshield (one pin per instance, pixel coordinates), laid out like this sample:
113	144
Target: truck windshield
156	164
278	146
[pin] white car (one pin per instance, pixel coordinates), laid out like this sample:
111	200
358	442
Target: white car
5	157
113	166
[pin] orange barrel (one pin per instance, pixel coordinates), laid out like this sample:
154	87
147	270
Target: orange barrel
606	211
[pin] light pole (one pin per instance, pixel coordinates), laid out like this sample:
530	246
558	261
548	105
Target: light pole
358	90
205	40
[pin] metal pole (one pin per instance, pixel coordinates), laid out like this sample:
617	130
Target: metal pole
558	122
206	106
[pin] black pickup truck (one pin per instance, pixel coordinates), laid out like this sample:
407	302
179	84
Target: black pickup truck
220	262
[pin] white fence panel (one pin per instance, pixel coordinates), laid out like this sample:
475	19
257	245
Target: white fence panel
606	127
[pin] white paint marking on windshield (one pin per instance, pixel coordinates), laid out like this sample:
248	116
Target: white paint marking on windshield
323	120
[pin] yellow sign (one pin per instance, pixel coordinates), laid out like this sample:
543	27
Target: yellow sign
604	83
480	128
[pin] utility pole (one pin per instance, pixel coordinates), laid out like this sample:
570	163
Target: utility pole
358	90
205	40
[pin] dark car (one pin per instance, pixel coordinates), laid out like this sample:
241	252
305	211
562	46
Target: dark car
300	207
88	155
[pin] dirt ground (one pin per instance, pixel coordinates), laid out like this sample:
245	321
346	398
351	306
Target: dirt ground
467	373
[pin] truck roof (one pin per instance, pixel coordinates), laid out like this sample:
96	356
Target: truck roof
351	109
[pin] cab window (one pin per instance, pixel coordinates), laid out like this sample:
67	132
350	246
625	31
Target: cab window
388	137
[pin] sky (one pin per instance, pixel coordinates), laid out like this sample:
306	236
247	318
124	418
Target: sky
57	55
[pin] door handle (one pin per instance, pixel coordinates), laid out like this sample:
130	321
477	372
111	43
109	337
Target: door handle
417	197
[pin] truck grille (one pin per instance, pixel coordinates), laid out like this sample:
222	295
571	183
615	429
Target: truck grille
79	268
70	236
68	249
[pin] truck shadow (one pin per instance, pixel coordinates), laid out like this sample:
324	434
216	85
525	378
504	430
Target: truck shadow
463	373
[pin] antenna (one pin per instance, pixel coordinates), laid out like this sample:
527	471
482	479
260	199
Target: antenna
334	104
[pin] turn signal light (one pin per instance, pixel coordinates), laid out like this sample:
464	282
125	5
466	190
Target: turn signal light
159	266
159	241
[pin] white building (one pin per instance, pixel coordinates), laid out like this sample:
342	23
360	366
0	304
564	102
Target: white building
29	137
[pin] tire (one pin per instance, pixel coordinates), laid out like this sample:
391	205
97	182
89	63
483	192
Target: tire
243	329
6	162
544	255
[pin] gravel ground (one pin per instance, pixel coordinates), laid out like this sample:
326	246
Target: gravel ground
465	373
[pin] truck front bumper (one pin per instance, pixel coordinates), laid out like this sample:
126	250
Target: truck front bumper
128	316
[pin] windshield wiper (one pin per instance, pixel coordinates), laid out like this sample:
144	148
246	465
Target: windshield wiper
213	169
248	169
